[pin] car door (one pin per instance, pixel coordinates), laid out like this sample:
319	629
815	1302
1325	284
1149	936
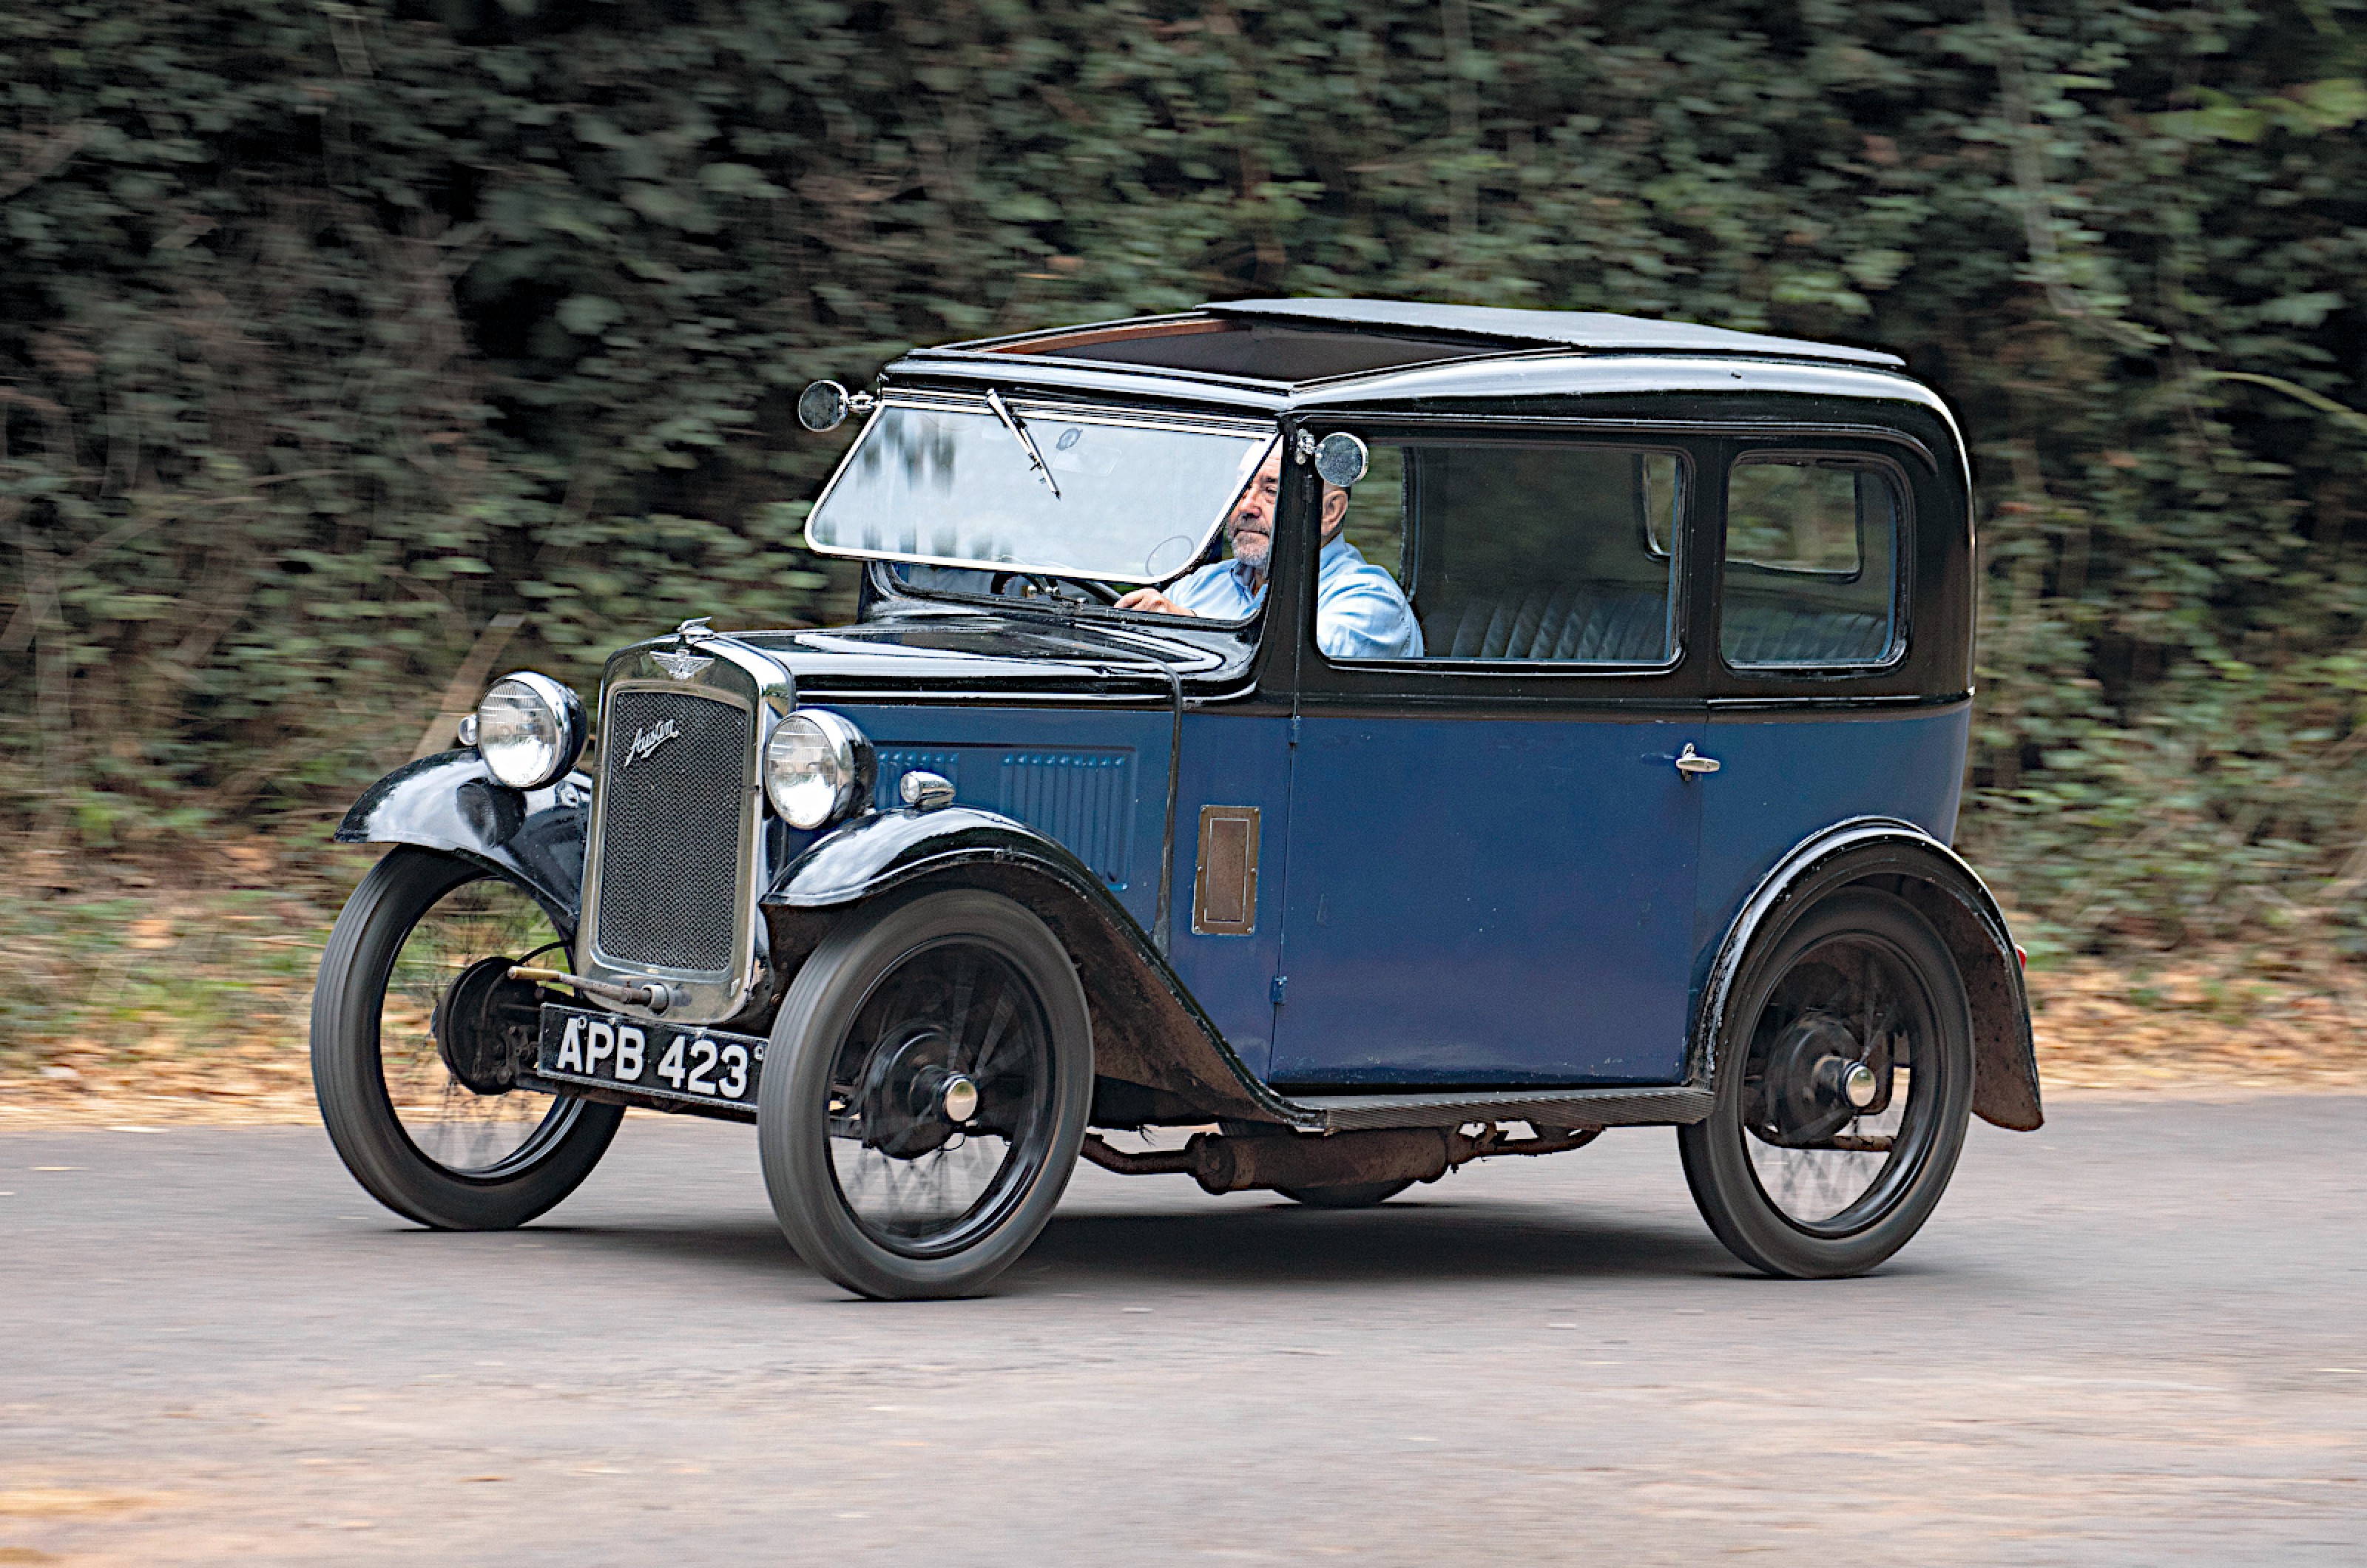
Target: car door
1491	857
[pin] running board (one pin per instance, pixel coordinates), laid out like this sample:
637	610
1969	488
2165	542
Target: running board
1674	1106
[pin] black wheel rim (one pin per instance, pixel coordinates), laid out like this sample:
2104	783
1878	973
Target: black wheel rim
481	1137
915	1179
1828	1168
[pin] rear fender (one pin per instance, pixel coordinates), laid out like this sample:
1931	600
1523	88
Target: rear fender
533	838
1148	1032
1903	858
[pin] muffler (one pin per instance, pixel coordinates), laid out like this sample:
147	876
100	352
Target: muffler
1223	1163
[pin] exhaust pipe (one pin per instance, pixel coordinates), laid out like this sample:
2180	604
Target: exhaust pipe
1224	1164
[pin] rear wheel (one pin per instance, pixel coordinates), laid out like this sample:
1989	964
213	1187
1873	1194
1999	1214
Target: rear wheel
418	1036
1844	1088
925	1094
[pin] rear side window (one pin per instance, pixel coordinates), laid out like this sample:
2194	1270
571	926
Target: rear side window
1539	553
1812	550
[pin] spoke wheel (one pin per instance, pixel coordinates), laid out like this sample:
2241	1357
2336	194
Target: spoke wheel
1844	1090
925	1094
417	1038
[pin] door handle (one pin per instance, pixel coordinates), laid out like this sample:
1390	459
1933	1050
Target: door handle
1690	762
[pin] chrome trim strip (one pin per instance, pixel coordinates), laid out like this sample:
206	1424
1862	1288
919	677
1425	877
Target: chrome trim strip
936	400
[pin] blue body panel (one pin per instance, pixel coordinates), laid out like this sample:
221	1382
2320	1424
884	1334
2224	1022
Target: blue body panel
1096	782
1784	776
1235	759
1479	901
1470	901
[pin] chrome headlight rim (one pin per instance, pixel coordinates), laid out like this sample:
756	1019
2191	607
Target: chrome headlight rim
563	730
847	770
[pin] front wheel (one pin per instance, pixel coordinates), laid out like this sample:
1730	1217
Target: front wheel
418	1036
1844	1088
925	1094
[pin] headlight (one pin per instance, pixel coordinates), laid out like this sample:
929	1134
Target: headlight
529	729
818	768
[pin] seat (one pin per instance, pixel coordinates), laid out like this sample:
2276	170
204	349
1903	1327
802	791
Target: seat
1760	631
1577	622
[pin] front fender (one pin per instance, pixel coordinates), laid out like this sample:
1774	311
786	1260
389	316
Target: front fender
887	849
1950	895
450	802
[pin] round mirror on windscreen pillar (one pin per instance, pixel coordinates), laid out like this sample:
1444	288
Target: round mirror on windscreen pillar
1341	458
823	406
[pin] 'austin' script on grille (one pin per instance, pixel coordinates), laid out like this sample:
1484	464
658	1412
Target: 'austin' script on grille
648	738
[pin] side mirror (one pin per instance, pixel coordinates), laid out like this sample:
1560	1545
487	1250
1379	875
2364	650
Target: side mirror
825	405
1341	458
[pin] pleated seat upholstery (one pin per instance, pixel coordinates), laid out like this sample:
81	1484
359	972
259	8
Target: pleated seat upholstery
1580	621
1597	623
1763	632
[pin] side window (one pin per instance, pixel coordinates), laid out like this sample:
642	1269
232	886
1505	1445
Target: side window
1376	512
1812	548
1556	553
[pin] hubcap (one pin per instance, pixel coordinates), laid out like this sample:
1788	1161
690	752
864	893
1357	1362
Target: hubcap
1859	1085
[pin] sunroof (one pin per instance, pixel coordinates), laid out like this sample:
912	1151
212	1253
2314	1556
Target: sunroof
1308	340
1262	351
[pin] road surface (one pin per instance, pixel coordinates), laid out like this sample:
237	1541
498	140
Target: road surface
2137	1336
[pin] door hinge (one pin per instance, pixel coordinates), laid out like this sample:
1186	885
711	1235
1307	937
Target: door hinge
1281	983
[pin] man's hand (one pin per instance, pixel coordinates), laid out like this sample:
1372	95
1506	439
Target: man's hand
1153	600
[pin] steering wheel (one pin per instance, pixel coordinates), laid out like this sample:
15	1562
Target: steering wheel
1050	587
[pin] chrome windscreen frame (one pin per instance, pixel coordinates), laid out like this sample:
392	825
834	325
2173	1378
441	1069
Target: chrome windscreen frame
753	681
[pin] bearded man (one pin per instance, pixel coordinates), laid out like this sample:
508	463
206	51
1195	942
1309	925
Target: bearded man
1360	611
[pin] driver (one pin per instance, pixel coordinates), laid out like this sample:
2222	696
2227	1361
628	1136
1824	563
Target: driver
1360	612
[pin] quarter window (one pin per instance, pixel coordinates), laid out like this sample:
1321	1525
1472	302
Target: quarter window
1541	553
1812	554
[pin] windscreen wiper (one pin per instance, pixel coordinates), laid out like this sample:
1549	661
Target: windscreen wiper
1010	421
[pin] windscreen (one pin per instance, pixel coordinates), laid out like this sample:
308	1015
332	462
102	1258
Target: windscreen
1118	496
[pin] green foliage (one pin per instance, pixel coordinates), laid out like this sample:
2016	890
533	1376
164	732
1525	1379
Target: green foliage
333	331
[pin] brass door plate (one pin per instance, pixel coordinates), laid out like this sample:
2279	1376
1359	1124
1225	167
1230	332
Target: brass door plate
1224	889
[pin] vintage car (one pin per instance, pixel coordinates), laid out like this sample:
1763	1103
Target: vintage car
1571	740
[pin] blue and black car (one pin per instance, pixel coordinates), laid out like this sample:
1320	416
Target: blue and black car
1377	737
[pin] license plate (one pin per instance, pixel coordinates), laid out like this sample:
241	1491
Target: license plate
706	1066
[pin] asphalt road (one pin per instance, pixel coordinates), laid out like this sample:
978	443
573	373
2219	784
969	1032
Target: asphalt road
2137	1336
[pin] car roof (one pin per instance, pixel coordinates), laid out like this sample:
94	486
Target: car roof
1299	343
1597	330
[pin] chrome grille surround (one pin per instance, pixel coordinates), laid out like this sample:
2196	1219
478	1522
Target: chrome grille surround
675	858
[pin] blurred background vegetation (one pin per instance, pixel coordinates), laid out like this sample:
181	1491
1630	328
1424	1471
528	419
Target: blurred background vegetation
333	332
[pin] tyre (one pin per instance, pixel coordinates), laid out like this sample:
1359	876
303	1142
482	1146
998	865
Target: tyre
417	1034
1844	1088
1364	1195
925	1094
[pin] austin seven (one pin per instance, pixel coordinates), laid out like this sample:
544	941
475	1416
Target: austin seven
1373	737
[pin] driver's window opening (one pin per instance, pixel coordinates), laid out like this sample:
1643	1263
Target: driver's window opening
1560	554
1376	512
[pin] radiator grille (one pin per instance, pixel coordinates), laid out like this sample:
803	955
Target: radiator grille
670	831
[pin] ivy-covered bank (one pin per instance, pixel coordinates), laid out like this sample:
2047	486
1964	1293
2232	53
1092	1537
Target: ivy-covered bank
333	334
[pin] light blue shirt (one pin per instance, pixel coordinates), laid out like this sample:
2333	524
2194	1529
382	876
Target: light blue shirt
1360	611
